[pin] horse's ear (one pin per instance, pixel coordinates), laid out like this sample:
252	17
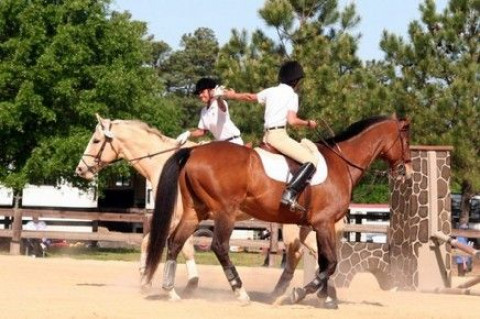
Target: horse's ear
405	124
394	116
100	120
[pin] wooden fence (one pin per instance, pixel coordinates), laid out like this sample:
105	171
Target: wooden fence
13	222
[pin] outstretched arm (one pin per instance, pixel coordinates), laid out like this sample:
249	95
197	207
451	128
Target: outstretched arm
247	97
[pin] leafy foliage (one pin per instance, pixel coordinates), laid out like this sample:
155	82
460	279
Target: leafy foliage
62	61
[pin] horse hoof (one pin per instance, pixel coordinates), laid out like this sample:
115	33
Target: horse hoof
192	284
242	297
173	296
279	291
145	288
298	294
283	299
330	303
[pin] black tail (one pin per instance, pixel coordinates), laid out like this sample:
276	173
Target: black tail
165	200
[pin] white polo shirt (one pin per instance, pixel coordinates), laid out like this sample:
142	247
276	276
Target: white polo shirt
278	101
218	122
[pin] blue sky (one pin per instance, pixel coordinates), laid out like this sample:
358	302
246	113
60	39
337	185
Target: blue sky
169	20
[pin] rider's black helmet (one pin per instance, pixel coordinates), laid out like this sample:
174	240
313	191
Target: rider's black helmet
204	83
290	71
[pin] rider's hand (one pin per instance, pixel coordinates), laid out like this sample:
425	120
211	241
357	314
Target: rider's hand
218	91
312	124
182	138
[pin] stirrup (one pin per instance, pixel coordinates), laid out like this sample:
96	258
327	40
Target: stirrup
293	205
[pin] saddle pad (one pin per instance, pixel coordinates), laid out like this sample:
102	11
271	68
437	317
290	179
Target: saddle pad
276	167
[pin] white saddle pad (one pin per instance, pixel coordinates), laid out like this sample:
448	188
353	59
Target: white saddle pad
276	167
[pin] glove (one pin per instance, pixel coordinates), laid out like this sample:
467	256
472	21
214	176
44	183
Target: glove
218	91
182	138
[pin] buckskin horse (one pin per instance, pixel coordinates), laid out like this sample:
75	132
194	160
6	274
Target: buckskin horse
147	150
217	179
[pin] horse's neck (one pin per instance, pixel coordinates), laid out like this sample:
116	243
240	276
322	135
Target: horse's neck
361	151
137	145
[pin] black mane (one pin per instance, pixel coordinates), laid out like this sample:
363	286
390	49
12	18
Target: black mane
355	129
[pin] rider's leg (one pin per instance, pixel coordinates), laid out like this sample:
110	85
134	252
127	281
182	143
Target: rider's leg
288	146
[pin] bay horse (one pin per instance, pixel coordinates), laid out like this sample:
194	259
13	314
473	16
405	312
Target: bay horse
147	150
217	179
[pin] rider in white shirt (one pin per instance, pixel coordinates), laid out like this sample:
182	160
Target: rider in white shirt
214	116
281	107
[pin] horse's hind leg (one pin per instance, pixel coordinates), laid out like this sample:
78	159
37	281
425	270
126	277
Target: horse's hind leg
188	253
175	243
220	245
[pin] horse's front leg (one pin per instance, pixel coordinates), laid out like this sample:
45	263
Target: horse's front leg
327	264
175	243
221	245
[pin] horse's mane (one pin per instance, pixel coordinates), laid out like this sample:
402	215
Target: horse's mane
355	128
144	126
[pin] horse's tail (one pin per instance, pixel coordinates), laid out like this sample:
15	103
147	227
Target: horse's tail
165	201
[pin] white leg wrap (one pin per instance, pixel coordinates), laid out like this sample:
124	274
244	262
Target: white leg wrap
143	262
173	296
191	269
242	296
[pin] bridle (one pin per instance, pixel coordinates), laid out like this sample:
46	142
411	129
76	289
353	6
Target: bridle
401	163
97	158
109	136
396	166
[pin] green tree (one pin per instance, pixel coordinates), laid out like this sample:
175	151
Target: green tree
60	63
435	78
181	69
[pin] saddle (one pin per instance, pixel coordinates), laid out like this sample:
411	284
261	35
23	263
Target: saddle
280	167
292	164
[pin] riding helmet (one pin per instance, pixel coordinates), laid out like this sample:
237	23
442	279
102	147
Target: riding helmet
204	83
290	71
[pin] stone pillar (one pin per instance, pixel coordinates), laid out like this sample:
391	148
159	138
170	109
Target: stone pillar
418	210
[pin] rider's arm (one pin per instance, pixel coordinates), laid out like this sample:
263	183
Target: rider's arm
247	97
198	132
294	120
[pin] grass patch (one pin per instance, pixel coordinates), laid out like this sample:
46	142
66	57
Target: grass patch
249	259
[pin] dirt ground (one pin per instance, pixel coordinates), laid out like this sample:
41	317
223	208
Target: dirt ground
37	288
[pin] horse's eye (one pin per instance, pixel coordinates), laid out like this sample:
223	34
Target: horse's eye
96	141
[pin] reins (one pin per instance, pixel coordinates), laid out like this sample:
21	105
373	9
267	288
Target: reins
152	155
339	151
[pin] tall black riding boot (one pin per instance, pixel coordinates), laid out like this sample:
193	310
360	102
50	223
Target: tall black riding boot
297	185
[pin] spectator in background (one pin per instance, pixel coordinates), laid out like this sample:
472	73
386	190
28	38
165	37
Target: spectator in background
464	263
33	246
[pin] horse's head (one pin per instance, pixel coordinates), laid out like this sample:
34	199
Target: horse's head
100	150
397	150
